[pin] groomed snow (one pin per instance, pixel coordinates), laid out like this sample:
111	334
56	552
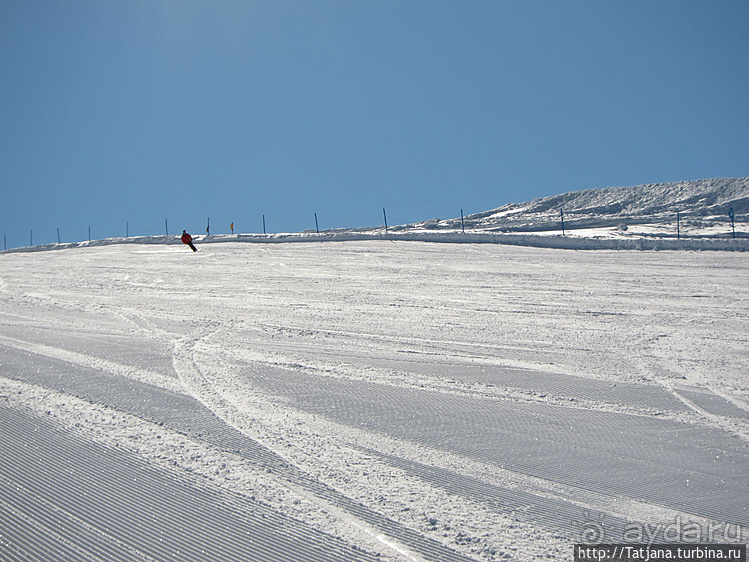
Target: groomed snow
414	400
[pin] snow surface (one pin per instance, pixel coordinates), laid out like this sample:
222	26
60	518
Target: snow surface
366	395
491	402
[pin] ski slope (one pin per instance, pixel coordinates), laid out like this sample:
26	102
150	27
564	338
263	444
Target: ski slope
369	400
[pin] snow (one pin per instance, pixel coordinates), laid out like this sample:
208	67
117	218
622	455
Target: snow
369	395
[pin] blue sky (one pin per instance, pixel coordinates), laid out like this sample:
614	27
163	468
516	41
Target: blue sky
133	111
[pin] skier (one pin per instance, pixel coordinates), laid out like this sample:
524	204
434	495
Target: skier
187	239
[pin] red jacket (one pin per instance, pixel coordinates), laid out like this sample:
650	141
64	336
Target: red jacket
186	238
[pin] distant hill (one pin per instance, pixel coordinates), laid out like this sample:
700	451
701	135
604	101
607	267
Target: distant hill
701	204
702	197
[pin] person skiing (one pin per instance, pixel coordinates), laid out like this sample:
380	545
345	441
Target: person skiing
187	239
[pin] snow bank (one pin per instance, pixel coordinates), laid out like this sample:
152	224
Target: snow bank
576	242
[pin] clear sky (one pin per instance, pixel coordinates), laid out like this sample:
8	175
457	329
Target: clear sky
136	111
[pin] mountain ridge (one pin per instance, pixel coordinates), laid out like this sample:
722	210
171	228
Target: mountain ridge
699	197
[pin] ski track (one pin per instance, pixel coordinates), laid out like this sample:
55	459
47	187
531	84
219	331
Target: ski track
518	437
401	401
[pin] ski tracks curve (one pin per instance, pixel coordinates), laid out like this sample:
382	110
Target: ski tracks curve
362	522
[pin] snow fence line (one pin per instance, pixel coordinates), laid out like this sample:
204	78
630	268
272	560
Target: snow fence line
537	241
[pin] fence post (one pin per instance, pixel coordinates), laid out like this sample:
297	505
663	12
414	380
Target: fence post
384	214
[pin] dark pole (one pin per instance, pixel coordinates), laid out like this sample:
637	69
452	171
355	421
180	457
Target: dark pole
127	229
166	226
561	213
89	234
678	225
58	234
31	237
462	222
264	225
384	214
733	227
317	226
208	227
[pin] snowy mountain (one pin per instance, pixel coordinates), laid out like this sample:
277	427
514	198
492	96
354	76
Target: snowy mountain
702	204
702	197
